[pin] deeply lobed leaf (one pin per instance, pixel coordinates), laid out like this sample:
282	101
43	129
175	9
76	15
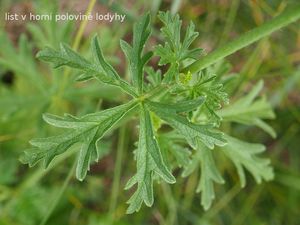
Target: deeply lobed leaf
191	132
249	111
137	60
100	69
244	155
149	161
87	130
203	158
175	50
187	100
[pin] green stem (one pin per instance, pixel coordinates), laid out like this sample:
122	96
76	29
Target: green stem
287	17
171	203
83	25
250	202
122	143
190	190
230	20
59	195
34	179
75	47
223	202
175	6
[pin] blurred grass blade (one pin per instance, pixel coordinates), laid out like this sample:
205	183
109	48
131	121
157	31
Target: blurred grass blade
287	17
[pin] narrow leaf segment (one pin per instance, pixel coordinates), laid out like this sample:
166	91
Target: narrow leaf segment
149	161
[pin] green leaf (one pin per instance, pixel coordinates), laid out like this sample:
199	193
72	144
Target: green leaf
208	85
137	60
244	155
181	154
149	161
100	69
190	36
99	58
191	132
182	106
65	57
171	29
203	158
21	62
88	149
171	73
247	110
174	52
87	130
154	77
172	144
184	101
166	54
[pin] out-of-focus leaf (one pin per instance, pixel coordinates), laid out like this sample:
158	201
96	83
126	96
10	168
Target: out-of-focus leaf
244	156
203	158
247	110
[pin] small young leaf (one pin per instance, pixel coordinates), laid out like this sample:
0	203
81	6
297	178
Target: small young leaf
174	52
154	77
210	86
171	30
166	55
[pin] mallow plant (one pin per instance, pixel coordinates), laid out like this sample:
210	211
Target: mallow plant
181	108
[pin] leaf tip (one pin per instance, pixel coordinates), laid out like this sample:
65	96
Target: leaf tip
80	176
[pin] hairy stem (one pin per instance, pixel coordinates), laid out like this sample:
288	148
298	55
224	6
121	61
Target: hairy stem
287	17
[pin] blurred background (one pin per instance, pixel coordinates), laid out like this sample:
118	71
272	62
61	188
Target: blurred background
28	88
